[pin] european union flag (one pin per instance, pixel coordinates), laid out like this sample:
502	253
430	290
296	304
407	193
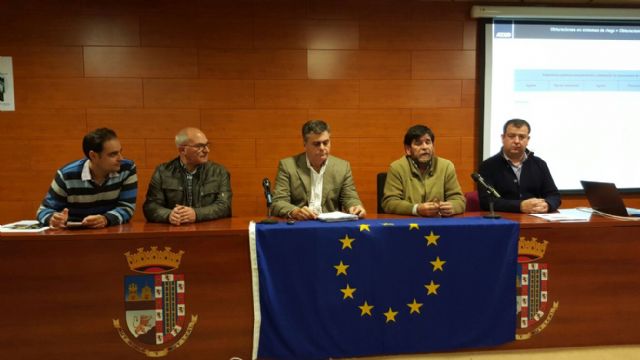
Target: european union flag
378	287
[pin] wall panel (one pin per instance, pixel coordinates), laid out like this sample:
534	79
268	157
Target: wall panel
66	29
159	151
140	62
443	64
306	93
366	123
143	123
447	121
51	154
347	64
43	123
401	35
45	61
78	93
306	34
234	153
266	124
168	29
252	64
185	93
409	93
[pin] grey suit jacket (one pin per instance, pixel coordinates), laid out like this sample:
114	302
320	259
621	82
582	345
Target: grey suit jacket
293	186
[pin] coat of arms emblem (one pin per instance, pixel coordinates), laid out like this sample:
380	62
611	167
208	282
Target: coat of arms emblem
535	310
154	302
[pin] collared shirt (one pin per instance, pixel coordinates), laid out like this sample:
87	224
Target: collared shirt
189	183
517	169
86	173
317	179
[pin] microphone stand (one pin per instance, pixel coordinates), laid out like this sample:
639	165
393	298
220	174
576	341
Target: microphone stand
492	199
269	220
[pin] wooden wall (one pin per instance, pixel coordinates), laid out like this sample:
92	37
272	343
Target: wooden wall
247	72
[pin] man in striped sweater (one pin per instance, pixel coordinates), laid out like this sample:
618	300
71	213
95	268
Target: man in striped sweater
97	191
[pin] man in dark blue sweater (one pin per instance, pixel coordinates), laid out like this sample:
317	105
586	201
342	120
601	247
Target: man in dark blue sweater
522	179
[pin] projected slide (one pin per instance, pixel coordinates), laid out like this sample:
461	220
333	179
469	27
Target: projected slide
579	87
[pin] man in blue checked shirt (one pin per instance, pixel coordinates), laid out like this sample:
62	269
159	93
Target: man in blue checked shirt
97	191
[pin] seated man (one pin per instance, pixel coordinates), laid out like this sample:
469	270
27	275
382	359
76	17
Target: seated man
421	183
99	190
522	179
314	182
189	188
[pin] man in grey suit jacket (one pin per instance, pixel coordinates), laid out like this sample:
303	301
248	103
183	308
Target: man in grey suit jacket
314	182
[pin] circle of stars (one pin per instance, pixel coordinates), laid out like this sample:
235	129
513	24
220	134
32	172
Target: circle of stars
390	315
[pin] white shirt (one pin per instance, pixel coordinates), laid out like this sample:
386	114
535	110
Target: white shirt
86	172
317	178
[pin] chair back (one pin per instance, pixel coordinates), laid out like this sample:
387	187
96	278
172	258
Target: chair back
381	179
473	201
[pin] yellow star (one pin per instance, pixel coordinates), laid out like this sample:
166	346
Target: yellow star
391	315
414	226
366	309
364	227
432	288
415	307
346	242
437	264
432	239
341	268
348	292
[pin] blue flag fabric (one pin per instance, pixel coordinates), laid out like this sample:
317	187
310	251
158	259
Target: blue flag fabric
381	287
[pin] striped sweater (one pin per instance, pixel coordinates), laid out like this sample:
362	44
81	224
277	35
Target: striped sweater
115	198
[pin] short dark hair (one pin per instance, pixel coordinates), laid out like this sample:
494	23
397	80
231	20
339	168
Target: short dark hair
517	123
314	126
416	132
95	140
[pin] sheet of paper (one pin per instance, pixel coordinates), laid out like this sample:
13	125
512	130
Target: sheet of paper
566	215
23	226
337	216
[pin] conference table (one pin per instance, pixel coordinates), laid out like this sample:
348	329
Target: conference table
63	293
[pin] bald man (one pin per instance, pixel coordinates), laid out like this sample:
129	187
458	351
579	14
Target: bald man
189	188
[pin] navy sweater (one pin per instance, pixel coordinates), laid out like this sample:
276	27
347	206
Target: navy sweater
535	182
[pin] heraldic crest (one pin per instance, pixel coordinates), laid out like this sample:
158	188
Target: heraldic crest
154	301
535	309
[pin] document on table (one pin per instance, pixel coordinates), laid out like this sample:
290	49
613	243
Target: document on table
337	216
566	215
26	226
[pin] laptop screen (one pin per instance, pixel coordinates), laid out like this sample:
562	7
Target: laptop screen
604	197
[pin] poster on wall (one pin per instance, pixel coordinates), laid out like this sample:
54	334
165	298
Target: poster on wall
7	102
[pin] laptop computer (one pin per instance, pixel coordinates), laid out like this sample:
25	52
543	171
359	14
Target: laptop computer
605	198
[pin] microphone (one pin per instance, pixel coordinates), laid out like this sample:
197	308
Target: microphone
477	178
266	185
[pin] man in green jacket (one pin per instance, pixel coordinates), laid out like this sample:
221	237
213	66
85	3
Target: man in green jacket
421	183
315	182
189	188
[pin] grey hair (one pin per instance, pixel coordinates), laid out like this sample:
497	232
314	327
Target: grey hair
182	137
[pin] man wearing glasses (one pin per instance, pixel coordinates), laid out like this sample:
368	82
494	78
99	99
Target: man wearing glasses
522	179
189	188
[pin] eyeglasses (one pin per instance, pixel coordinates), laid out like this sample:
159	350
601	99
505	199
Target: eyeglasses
199	147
